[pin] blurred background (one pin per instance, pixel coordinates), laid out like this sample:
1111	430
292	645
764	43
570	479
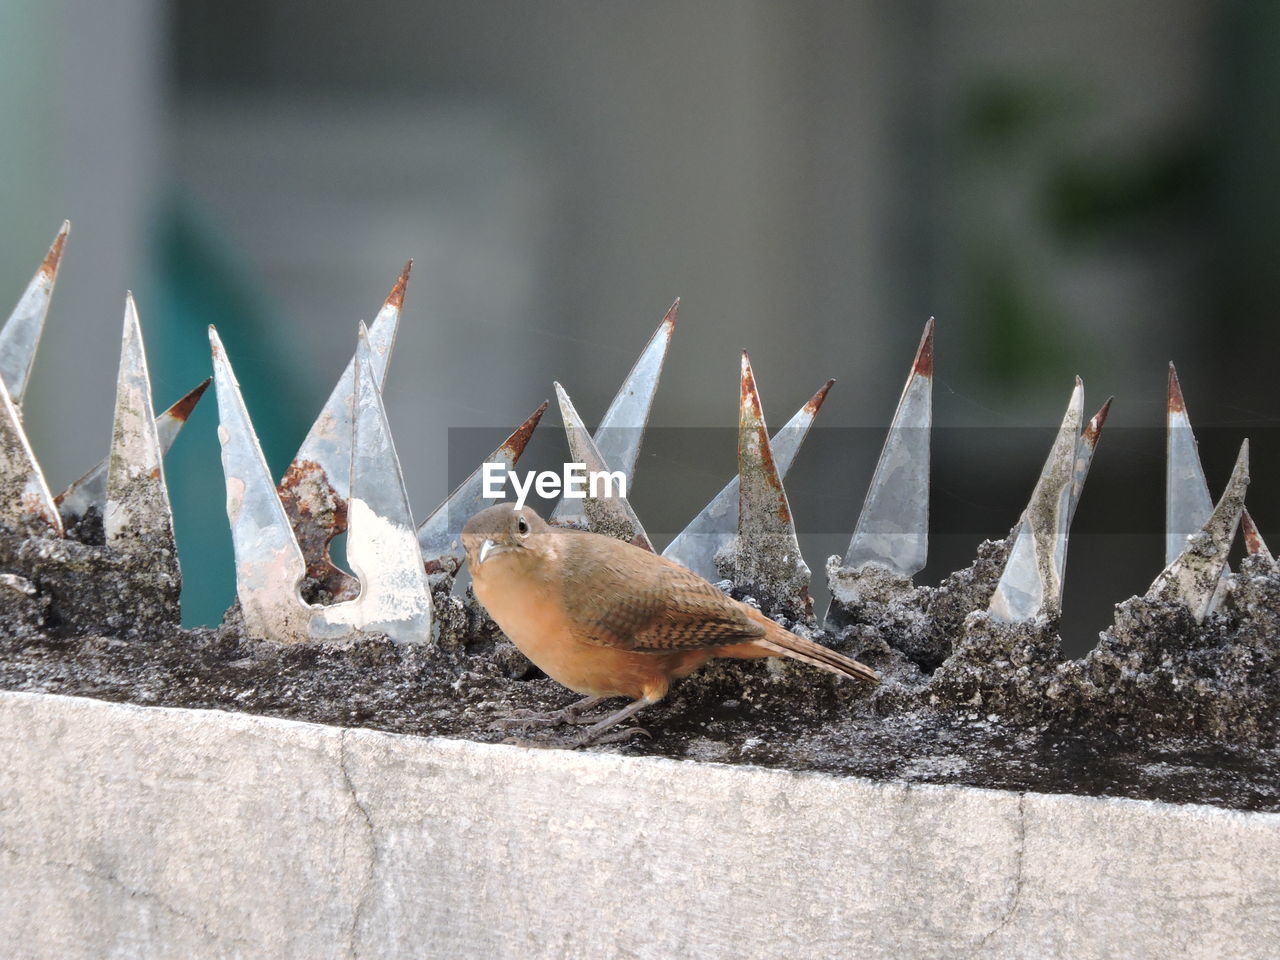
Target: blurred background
1086	187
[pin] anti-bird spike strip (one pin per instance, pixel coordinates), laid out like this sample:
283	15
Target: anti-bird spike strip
621	429
26	506
90	491
439	535
315	487
764	558
1195	576
716	524
137	518
1031	585
609	513
892	532
347	474
269	564
382	548
20	336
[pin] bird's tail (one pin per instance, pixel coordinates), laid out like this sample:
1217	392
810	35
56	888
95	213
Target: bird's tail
782	642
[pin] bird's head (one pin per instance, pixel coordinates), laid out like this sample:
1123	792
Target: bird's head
505	533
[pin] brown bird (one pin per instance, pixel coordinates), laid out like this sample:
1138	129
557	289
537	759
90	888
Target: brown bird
608	619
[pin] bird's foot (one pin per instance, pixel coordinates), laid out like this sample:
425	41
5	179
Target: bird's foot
532	719
612	736
529	719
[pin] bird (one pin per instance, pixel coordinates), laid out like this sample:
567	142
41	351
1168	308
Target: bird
608	619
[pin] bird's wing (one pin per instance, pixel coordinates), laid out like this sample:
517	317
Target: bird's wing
640	601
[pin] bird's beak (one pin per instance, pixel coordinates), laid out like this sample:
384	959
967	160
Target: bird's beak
486	548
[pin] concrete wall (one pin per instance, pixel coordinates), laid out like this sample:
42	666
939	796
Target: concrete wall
144	832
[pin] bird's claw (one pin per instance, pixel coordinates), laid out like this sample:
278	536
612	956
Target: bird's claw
528	719
614	736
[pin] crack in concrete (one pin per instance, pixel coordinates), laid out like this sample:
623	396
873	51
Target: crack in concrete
133	892
361	903
1018	862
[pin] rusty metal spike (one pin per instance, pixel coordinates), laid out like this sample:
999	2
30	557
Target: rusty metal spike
314	489
764	559
20	336
90	491
440	534
269	563
1084	453
1253	541
382	549
1187	500
621	429
26	506
893	528
610	514
714	527
137	517
1194	578
1031	584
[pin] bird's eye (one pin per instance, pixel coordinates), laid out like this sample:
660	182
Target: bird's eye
522	527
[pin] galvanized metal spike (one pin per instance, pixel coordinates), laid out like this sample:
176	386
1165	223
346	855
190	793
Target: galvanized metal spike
137	518
1084	453
90	491
1195	576
1031	584
714	527
269	563
893	528
764	558
1187	500
382	549
314	489
621	429
20	336
26	506
440	534
606	511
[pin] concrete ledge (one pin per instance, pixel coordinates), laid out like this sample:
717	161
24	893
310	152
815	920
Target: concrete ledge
145	832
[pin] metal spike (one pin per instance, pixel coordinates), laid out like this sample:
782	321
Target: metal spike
714	527
610	515
90	491
1085	450
893	528
137	518
765	557
26	506
1253	541
1187	500
269	563
314	489
439	535
382	549
1194	578
621	429
1031	584
20	336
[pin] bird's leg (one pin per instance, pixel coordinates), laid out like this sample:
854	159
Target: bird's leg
572	714
598	732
